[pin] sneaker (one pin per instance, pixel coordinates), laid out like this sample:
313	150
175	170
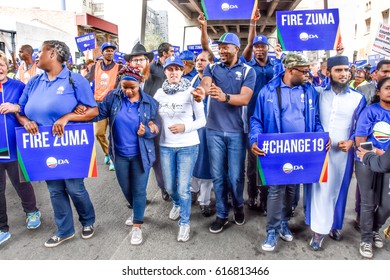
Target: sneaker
205	210
184	233
4	236
54	241
107	159
87	232
164	195
33	220
285	232
136	236
217	225
194	197
174	213
316	241
366	250
335	234
378	241
239	217
129	221
270	241
111	167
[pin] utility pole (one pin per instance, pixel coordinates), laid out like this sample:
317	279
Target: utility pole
143	20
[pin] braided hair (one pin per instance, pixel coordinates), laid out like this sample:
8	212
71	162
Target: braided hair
62	50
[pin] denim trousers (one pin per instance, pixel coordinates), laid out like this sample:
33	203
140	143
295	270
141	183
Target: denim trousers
177	167
25	192
279	205
61	191
227	162
133	179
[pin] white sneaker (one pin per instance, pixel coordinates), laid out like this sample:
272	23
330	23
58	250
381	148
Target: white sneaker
129	221
184	233
136	236
174	213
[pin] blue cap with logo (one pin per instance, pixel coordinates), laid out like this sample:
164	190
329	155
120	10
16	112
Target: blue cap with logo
173	60
260	39
229	38
187	55
108	45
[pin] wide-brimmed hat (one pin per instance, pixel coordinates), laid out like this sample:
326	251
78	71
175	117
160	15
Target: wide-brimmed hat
139	49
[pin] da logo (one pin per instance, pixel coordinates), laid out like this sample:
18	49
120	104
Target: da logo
304	36
382	132
287	168
226	7
51	162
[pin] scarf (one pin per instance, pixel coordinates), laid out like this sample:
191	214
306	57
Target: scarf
170	89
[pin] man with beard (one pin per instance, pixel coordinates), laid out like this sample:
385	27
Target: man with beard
340	106
287	104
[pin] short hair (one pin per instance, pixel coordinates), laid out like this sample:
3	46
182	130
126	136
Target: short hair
27	48
163	47
381	63
61	48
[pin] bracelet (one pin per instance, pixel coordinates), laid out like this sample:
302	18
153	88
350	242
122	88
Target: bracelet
18	111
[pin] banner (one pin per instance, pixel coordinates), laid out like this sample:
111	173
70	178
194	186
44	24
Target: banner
85	42
4	146
119	56
47	157
195	49
293	158
229	10
382	40
373	59
176	50
308	30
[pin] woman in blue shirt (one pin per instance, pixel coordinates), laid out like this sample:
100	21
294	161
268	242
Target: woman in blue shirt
373	126
11	90
49	99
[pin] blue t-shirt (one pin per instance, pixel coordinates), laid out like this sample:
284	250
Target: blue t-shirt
223	116
293	108
374	122
45	101
189	76
12	90
125	129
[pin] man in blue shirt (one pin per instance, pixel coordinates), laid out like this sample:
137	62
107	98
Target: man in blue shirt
287	103
230	85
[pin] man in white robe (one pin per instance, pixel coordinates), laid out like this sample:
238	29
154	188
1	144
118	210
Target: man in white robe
340	106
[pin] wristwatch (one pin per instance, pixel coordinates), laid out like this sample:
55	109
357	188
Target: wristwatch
227	98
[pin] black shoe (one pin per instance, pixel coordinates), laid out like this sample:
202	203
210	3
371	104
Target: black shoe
356	223
218	224
239	217
263	208
54	241
293	211
206	210
129	206
164	195
252	203
87	232
335	234
194	197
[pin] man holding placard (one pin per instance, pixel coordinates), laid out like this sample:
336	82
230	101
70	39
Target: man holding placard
287	104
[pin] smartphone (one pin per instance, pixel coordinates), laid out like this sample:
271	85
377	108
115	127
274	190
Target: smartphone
367	146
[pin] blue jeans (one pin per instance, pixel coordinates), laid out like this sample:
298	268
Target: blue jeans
133	179
60	191
177	167
279	205
227	161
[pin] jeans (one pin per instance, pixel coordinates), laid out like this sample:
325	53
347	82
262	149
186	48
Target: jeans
24	190
177	167
100	133
279	205
157	164
133	179
227	162
60	191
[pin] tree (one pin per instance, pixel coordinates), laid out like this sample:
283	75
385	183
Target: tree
152	40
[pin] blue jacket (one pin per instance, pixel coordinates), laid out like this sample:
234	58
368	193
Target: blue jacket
147	111
266	118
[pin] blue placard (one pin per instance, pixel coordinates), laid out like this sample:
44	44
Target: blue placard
46	157
308	30
195	49
85	42
373	59
4	146
229	10
119	56
293	158
176	50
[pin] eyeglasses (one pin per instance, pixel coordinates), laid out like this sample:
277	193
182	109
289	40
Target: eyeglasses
304	72
140	60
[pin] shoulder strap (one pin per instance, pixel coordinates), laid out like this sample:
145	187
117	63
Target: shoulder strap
279	99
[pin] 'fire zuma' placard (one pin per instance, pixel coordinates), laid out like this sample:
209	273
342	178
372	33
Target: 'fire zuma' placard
293	158
47	157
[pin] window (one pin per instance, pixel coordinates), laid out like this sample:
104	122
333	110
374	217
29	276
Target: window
368	5
385	16
368	25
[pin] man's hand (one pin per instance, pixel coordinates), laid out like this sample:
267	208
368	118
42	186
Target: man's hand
199	94
340	49
202	19
278	51
256	16
256	150
217	93
345	145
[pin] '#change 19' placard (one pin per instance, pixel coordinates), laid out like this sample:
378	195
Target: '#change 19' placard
46	157
293	158
308	30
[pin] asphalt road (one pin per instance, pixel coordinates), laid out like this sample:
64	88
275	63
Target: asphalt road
112	241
